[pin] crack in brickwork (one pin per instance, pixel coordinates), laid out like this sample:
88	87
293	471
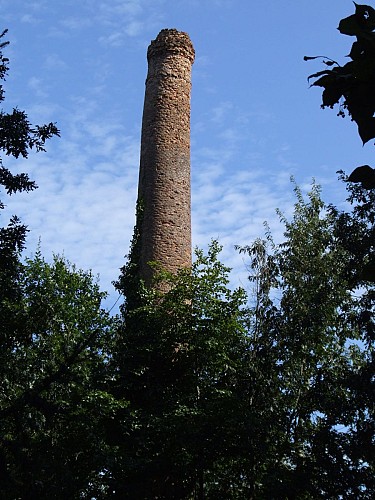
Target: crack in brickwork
164	176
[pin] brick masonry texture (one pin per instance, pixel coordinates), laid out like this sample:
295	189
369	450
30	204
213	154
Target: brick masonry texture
164	176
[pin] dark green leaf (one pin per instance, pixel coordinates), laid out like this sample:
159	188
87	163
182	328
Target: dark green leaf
366	129
365	175
319	73
331	95
357	50
368	272
366	15
350	26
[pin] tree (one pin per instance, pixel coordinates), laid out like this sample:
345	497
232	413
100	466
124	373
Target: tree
196	391
355	231
259	400
54	352
53	385
17	138
316	359
351	85
177	357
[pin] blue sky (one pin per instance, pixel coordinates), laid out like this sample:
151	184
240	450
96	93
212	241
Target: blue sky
254	120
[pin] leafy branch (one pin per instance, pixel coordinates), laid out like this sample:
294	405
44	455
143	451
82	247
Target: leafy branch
352	86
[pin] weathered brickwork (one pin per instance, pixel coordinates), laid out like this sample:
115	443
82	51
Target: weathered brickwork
164	178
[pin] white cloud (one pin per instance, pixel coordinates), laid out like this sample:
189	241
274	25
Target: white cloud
122	19
53	62
85	204
220	112
112	40
76	23
134	28
29	19
121	8
38	87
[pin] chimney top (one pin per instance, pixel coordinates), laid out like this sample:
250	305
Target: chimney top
173	42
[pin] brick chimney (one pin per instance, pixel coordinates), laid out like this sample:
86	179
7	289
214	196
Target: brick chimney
164	193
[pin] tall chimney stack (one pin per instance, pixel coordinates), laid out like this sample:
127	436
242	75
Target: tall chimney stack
164	195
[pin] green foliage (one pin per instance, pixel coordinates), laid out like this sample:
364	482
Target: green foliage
351	86
197	391
313	358
357	232
53	381
54	352
17	138
128	282
178	357
269	400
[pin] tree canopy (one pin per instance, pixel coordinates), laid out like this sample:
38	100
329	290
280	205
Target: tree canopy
195	390
53	383
17	138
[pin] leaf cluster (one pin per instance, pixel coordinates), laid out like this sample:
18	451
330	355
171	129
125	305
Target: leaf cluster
195	391
351	86
266	399
178	361
322	346
54	358
18	137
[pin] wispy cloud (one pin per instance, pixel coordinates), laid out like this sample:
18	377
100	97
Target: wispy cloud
76	23
55	62
36	86
126	18
113	39
115	8
85	204
29	19
220	112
